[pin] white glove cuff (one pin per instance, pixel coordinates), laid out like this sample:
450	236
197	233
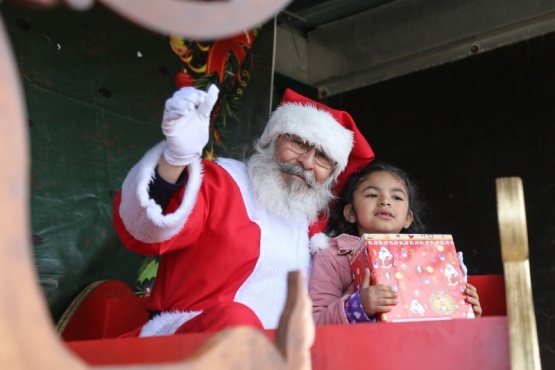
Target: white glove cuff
174	160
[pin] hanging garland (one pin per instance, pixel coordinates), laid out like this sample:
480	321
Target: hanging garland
223	63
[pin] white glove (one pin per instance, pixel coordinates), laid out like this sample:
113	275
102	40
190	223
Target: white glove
186	124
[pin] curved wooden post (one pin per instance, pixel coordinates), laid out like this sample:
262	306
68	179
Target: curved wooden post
201	20
198	20
513	234
24	321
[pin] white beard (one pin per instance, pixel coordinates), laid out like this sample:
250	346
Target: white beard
289	197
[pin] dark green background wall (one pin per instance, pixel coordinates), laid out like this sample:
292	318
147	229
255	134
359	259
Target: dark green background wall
95	86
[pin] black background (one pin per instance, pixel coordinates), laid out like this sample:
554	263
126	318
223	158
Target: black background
456	128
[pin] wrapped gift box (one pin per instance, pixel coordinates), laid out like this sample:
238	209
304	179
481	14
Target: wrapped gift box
423	269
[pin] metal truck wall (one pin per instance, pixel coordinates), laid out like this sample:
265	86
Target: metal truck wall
95	86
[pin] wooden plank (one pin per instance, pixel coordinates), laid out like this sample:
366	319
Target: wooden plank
513	235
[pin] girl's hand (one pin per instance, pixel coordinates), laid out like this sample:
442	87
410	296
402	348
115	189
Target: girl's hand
376	298
473	299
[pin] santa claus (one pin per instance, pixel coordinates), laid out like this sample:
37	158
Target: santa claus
229	231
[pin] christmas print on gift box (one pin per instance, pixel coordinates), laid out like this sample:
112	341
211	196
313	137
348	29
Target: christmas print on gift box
424	270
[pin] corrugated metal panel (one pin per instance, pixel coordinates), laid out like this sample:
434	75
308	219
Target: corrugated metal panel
401	37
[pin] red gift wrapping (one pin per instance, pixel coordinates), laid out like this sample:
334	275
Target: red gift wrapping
424	270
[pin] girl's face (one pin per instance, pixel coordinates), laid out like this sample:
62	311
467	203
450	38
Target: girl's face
380	205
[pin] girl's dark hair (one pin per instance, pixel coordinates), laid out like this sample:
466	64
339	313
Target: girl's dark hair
338	225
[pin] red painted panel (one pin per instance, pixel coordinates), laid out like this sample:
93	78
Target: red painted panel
491	290
108	310
450	344
447	344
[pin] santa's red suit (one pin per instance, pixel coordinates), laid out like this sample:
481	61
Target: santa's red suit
225	258
210	257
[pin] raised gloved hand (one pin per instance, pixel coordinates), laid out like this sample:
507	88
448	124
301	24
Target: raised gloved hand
186	124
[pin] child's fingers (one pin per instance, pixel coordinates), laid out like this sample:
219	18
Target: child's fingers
384	296
383	289
476	307
471	291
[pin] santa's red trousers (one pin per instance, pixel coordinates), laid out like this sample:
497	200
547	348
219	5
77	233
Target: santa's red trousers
222	316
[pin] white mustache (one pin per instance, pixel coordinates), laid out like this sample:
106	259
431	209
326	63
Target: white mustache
297	170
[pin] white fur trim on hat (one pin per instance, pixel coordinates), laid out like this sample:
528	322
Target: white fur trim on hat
318	242
314	125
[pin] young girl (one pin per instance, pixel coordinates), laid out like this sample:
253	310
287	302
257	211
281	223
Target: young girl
379	199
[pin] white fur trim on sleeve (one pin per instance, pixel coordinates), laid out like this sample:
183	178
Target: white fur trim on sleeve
142	216
318	242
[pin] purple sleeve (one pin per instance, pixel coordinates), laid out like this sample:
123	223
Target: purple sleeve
354	311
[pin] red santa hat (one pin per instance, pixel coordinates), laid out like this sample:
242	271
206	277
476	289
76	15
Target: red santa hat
333	131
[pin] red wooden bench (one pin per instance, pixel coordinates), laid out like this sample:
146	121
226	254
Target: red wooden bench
109	308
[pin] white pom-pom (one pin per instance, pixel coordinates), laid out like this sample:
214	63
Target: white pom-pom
318	242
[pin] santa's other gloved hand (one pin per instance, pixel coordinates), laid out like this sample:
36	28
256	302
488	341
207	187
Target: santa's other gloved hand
186	124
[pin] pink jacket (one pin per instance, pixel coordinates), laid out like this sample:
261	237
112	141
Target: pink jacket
331	280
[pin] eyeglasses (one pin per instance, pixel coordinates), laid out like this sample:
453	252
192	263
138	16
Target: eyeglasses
300	146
